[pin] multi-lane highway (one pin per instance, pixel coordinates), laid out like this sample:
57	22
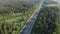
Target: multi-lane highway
29	25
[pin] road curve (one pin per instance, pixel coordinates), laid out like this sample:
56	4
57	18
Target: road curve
29	25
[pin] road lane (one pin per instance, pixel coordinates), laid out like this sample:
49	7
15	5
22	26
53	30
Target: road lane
29	25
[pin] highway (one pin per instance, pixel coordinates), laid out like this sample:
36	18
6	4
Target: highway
29	25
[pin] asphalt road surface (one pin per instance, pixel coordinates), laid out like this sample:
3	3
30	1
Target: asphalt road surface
29	25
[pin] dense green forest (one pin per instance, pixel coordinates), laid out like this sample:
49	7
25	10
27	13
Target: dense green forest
46	22
58	22
15	14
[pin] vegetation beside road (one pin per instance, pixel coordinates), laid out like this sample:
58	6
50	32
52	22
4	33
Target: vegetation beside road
58	22
13	16
46	21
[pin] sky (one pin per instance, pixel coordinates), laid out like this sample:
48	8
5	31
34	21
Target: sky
15	0
55	0
7	0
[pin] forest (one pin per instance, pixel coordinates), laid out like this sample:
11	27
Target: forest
15	14
46	22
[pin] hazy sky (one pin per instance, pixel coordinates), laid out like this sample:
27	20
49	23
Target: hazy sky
16	0
55	0
9	0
